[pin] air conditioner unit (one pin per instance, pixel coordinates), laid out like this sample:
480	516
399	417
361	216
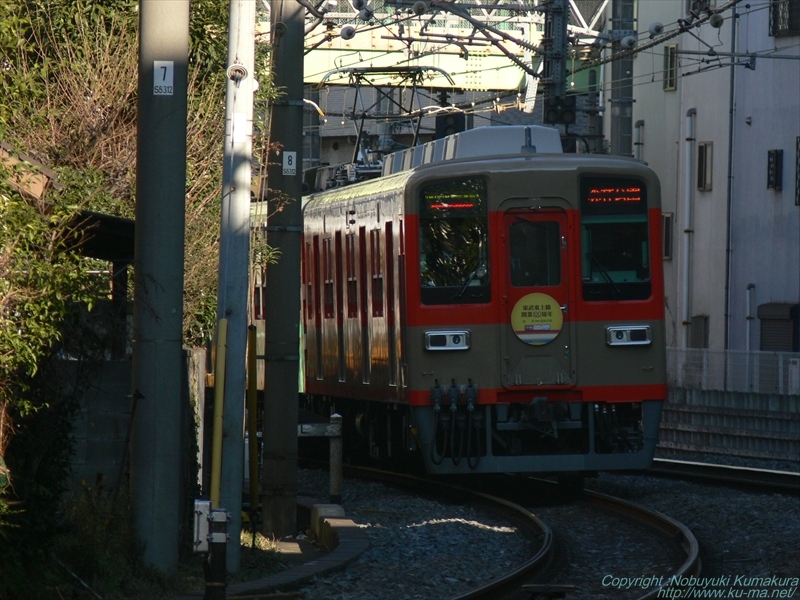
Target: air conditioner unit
793	376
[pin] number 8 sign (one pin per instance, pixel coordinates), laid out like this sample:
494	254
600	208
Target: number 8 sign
289	163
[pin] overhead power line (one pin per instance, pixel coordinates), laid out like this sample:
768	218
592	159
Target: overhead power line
683	26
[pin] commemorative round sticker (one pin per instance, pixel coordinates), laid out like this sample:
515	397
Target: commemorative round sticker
537	319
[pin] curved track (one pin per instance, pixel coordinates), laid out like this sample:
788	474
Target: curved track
660	522
532	527
512	583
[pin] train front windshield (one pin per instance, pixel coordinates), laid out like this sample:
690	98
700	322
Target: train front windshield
454	242
615	246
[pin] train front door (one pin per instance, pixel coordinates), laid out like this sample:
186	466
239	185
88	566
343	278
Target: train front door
537	338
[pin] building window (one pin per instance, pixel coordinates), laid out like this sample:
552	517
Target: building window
698	332
666	236
670	68
705	155
775	170
797	173
779	327
784	17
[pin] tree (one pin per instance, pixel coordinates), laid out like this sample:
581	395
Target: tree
69	73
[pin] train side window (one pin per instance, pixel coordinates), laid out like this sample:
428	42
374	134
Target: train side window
327	270
615	248
317	278
309	273
339	277
535	253
362	272
454	242
350	272
376	270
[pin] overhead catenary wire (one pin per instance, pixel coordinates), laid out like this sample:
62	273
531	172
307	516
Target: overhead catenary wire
653	76
683	25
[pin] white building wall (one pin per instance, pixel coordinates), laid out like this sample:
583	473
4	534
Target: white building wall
765	224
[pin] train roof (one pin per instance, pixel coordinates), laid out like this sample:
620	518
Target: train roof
513	145
475	143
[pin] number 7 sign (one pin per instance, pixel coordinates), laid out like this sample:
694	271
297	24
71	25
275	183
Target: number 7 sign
163	74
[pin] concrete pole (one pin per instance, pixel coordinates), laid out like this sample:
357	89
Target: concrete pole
282	304
624	25
336	459
158	284
234	254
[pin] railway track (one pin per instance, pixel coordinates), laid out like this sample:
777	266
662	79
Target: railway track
671	546
762	479
660	522
532	527
524	581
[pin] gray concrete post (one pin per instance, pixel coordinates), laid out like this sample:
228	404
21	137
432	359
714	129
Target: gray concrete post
336	459
282	304
234	255
158	285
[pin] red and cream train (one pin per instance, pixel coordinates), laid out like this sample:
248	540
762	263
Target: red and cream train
491	303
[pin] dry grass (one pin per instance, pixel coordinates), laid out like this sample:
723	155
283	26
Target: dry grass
98	554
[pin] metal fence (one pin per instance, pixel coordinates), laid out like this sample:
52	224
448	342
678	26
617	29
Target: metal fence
734	370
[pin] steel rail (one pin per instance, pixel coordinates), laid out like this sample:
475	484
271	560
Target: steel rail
784	481
659	521
669	527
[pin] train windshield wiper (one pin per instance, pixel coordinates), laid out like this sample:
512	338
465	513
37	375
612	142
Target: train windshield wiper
600	269
479	272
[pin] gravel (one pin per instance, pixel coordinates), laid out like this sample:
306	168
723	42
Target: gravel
424	549
419	548
740	533
592	544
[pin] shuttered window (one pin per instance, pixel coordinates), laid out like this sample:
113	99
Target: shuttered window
779	327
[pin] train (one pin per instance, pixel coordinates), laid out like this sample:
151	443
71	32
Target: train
488	304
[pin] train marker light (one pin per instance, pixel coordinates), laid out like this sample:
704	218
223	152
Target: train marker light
447	340
629	335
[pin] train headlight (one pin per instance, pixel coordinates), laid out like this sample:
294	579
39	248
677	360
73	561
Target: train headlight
447	340
629	335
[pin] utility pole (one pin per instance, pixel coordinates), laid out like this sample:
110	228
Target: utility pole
623	37
234	257
282	304
558	107
155	456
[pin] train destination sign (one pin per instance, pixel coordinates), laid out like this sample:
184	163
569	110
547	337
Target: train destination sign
610	195
600	196
452	200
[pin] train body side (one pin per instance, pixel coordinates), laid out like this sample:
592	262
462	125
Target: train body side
565	373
